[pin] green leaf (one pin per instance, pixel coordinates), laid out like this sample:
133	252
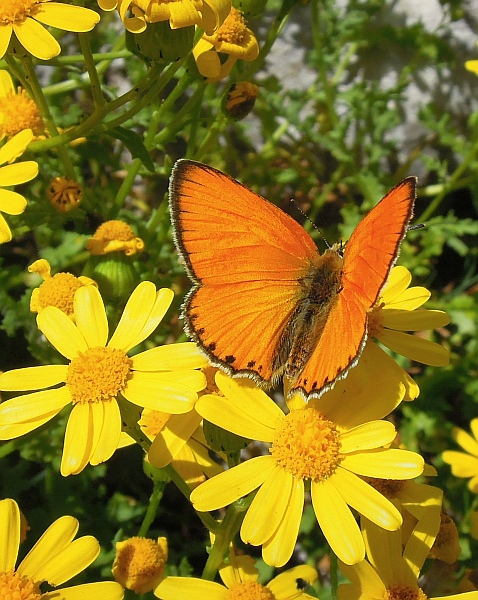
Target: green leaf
135	145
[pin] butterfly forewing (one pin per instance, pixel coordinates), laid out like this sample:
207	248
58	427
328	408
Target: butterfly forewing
368	258
246	257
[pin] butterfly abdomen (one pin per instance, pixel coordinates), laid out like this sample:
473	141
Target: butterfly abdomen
319	289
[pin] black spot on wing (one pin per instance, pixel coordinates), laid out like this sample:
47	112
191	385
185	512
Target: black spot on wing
230	359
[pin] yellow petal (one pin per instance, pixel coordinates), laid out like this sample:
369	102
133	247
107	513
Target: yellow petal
36	39
5	35
373	434
158	391
462	465
11	202
110	431
397	282
106	590
285	584
18	173
9	534
410	299
64	564
424	503
30	407
461	437
15	146
6	83
366	583
227	487
61	332
207	59
172	438
384	463
337	522
384	551
10	432
268	508
415	348
182	14
5	233
90	316
32	378
80	440
57	537
178	588
170	357
470	65
66	16
142	314
474	428
366	500
414	320
372	390
244	410
279	548
107	4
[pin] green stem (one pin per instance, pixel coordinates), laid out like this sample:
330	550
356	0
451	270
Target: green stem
44	109
152	509
223	537
91	68
94	123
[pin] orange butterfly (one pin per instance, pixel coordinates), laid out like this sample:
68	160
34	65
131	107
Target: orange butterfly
265	303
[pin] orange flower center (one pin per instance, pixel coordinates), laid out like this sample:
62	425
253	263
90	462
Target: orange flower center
14	11
19	112
59	291
307	445
249	590
13	585
233	30
114	230
139	563
404	592
98	374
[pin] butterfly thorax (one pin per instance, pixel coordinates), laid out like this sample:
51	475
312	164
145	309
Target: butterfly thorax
319	288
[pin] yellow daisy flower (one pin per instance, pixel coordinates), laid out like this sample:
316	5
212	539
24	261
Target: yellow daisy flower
397	313
388	572
99	373
11	202
233	39
329	448
140	562
17	109
207	14
240	580
114	236
55	558
465	464
23	17
57	290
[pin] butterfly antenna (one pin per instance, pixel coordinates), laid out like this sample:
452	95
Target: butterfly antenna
310	221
